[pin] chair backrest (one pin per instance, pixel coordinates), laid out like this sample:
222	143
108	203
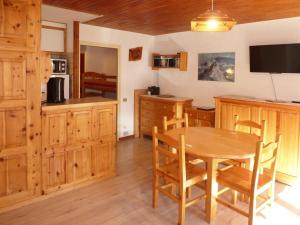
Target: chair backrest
175	123
161	145
265	161
251	125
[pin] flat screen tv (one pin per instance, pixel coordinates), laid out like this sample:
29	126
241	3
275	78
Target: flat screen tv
283	58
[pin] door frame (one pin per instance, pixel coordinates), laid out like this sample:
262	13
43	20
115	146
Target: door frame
118	48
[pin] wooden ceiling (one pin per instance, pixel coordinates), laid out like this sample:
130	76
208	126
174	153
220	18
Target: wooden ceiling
167	16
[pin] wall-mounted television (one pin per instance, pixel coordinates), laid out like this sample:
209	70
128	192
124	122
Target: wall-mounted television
284	58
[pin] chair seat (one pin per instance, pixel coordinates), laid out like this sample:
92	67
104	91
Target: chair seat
239	179
194	174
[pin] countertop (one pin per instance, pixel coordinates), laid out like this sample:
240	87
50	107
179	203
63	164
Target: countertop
172	99
259	101
82	102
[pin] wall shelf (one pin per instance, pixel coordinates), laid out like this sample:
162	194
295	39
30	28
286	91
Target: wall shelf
170	61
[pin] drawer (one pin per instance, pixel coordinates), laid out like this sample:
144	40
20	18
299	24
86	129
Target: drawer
147	105
205	116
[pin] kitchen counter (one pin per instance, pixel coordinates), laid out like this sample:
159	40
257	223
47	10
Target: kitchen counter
78	142
82	102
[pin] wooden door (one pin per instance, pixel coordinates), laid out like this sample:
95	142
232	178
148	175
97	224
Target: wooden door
228	111
78	163
19	29
19	127
79	126
54	136
288	155
103	158
20	124
104	135
104	123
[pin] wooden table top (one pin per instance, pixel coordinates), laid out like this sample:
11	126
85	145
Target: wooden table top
207	142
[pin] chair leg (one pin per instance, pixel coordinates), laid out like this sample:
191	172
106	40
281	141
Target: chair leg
155	191
189	192
252	210
271	194
234	197
181	208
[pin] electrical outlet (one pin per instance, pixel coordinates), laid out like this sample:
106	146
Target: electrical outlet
125	133
124	99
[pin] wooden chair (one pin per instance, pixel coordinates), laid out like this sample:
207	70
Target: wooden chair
175	123
178	123
252	126
255	183
177	172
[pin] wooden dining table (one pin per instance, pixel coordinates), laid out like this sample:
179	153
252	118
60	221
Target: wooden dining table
215	145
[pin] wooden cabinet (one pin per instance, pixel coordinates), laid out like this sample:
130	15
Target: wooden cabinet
153	109
20	123
79	144
200	117
280	118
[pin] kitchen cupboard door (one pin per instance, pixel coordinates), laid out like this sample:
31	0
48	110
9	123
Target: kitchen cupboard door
54	127
79	126
228	111
104	123
271	116
288	155
78	163
19	24
54	168
103	158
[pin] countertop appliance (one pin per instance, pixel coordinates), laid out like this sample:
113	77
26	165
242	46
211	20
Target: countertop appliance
55	90
59	66
154	90
66	87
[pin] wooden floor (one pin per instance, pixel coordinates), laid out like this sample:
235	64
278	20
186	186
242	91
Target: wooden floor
126	200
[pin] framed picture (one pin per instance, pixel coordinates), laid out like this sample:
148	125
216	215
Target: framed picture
135	54
216	67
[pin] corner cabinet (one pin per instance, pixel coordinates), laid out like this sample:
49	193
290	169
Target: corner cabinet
283	118
79	144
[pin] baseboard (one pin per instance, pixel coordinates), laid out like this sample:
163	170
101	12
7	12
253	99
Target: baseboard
126	138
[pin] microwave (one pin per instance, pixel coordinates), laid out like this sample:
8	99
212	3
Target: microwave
59	66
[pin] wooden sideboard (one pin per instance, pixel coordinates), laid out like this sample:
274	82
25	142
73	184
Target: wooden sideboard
200	117
280	117
154	108
78	142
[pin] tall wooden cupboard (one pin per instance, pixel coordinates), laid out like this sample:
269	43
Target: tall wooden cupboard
283	118
20	124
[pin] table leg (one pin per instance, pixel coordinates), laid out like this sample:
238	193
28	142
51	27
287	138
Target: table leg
212	190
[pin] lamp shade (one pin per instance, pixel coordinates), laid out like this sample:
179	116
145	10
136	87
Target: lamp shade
212	21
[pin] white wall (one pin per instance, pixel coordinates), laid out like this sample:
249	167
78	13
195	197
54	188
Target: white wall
55	14
101	60
238	41
133	75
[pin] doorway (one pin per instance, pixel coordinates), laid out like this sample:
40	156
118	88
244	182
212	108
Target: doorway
99	71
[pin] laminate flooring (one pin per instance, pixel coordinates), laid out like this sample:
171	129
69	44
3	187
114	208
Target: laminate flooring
126	200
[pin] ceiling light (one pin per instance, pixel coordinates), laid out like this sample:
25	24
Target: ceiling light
212	20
